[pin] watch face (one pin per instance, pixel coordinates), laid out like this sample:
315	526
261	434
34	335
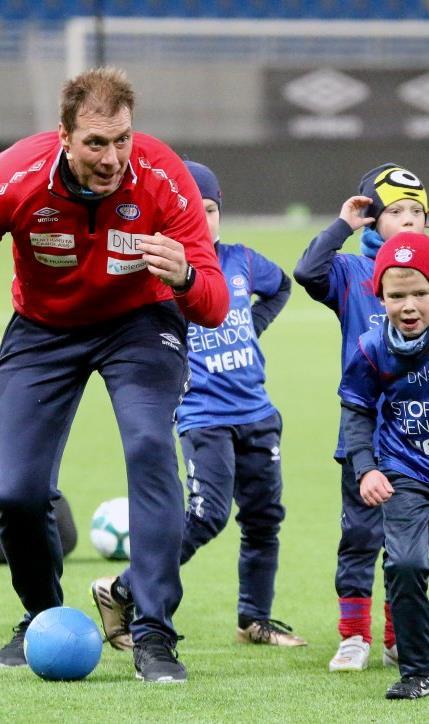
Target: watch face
189	280
190	276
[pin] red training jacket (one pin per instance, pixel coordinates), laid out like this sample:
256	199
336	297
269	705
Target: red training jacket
76	266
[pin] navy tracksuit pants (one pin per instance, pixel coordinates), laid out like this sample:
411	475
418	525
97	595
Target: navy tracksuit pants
406	526
241	463
362	538
43	373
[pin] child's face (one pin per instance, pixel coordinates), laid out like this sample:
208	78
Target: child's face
406	298
403	215
213	217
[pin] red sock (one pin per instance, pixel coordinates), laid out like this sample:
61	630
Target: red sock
389	631
355	618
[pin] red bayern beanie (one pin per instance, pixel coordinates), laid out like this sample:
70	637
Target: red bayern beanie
406	249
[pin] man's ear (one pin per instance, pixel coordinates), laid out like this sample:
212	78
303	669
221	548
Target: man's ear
64	136
65	141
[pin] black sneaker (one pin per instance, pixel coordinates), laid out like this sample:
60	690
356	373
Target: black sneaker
13	653
410	687
155	659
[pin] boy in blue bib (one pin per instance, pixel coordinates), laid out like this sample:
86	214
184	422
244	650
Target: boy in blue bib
392	363
230	435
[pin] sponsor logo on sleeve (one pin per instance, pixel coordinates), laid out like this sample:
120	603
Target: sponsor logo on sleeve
130	212
118	267
55	260
56	241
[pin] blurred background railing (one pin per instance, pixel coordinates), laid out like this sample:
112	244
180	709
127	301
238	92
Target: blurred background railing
288	101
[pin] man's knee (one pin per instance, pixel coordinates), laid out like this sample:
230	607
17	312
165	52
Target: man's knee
143	447
23	499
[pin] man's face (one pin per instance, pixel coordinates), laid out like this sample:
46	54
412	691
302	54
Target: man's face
403	215
406	299
213	218
99	149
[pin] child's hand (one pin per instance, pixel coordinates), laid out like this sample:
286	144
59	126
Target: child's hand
375	488
350	212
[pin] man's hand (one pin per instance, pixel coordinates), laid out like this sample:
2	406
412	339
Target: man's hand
350	212
165	258
375	488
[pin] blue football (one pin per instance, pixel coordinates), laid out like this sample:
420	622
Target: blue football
62	644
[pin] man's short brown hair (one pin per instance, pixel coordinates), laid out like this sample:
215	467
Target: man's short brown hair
102	90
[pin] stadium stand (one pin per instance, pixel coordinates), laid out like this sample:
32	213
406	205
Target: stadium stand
60	10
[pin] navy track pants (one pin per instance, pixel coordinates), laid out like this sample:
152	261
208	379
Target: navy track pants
406	525
241	463
362	538
43	372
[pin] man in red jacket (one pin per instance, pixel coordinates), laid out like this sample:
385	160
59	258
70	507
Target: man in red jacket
112	252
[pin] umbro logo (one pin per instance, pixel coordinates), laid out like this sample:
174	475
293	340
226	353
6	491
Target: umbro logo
46	211
170	340
46	215
325	91
275	453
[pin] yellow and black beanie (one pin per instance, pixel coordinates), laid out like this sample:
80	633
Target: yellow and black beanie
388	183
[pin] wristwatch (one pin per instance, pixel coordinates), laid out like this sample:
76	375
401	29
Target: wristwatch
189	280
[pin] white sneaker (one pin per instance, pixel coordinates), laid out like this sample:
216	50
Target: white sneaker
390	656
352	655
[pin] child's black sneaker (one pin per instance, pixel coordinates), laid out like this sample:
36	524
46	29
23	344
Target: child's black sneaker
410	687
13	653
156	661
